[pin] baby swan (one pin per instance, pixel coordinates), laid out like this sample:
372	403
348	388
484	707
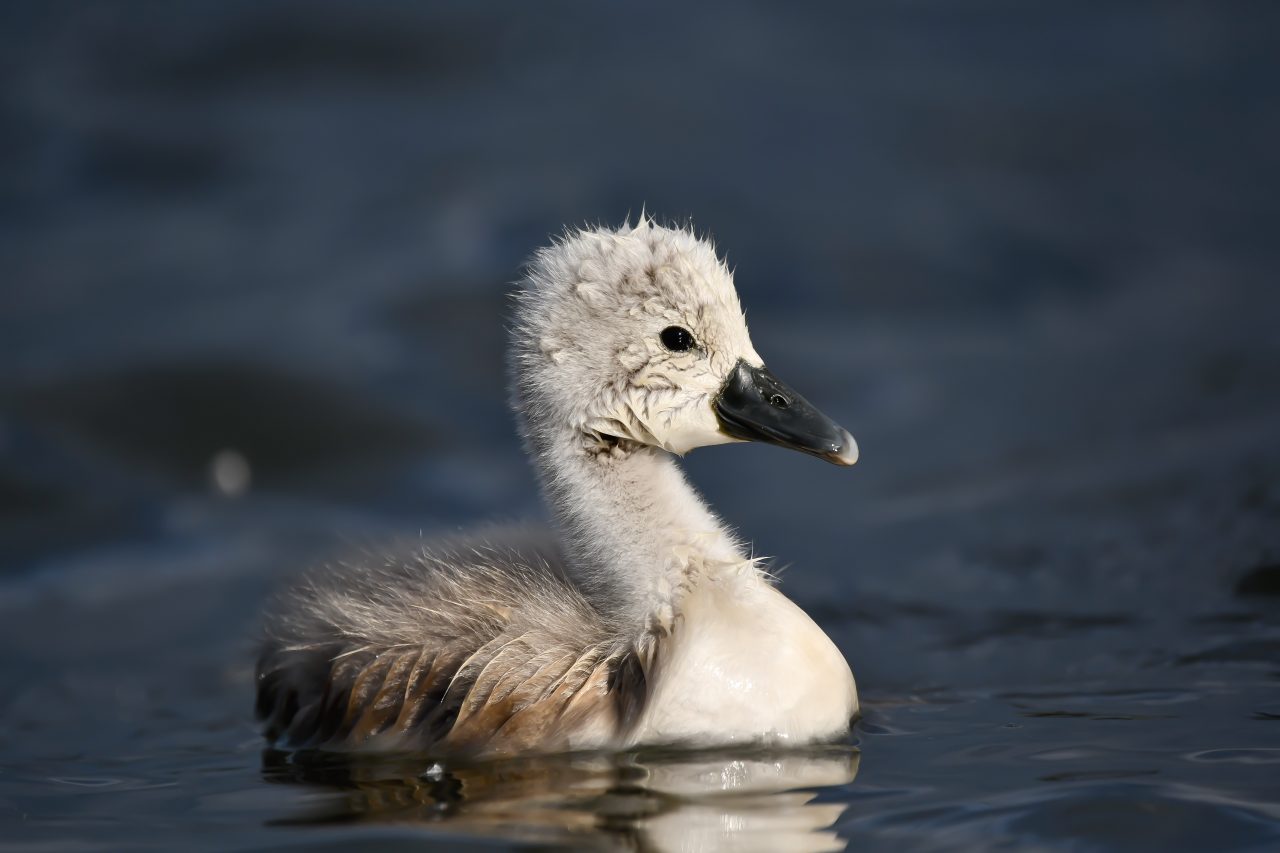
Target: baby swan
643	620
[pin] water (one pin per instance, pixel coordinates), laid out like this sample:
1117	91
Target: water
255	258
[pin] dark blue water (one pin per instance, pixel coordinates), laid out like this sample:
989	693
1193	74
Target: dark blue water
1028	253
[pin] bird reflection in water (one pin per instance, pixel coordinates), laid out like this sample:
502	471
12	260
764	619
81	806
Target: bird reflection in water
649	800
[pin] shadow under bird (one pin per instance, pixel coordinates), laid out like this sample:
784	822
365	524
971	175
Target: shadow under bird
639	619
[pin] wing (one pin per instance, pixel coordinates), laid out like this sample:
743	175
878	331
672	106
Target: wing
466	650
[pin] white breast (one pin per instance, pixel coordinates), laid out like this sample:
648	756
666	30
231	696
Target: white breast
745	664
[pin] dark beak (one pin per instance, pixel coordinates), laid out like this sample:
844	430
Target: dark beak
754	405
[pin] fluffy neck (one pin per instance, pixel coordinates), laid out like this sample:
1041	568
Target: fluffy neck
636	535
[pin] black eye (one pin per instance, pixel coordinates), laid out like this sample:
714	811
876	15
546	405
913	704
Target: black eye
677	339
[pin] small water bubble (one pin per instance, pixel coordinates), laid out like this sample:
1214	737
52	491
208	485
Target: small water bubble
229	473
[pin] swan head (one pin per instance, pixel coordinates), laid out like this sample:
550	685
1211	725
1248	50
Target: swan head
635	336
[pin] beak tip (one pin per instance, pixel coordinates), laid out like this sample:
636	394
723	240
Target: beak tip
847	452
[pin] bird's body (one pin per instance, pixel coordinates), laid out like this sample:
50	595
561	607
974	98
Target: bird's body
641	619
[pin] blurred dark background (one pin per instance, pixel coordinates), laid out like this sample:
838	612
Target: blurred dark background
253	266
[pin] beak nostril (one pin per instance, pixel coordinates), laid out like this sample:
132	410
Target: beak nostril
778	401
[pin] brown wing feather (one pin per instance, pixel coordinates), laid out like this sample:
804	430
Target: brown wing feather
473	650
